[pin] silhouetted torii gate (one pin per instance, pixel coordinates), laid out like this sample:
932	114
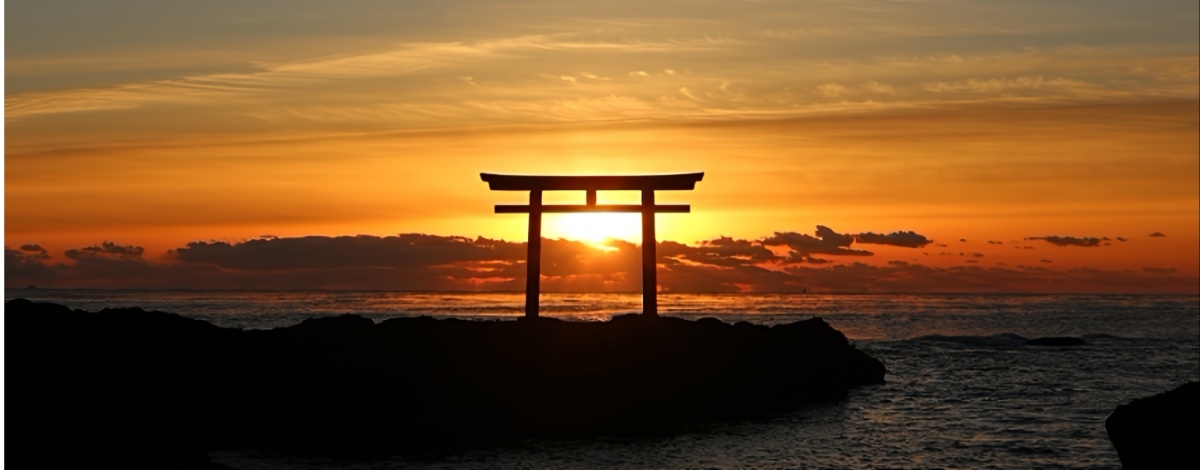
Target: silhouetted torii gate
647	184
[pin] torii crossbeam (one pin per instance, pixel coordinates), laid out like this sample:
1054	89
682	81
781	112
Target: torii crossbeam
647	184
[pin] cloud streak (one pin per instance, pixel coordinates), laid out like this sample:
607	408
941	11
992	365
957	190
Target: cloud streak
105	250
904	239
1056	240
629	71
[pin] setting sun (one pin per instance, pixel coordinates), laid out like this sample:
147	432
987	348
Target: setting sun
594	227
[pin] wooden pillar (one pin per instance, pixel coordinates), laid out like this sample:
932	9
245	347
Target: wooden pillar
533	257
649	256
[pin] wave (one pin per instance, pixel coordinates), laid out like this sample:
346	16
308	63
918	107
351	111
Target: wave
994	340
1009	340
1104	336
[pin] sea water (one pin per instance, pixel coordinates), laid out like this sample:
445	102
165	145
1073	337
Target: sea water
963	389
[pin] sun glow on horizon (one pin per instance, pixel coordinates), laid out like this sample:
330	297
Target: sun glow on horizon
594	228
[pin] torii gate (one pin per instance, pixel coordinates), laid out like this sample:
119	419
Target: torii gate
647	184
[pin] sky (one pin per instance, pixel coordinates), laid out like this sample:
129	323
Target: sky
847	146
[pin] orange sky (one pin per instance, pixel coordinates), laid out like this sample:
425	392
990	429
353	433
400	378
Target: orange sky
959	121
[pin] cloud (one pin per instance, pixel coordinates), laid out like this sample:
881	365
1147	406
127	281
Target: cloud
26	267
826	242
431	262
1069	241
876	87
420	262
105	250
289	84
491	59
832	90
904	239
1122	239
1005	84
723	251
1157	235
685	92
317	252
33	252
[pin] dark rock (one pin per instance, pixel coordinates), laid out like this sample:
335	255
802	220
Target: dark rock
1056	341
339	324
1158	432
152	389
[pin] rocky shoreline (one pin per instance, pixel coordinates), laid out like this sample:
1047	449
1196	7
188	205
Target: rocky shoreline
157	390
1158	432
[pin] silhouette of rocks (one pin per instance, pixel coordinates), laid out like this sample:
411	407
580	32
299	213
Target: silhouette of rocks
1056	341
156	390
1160	431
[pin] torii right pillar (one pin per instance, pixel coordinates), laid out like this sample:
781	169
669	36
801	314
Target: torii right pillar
649	256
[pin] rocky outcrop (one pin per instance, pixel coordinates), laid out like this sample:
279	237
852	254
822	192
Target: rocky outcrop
150	389
1158	432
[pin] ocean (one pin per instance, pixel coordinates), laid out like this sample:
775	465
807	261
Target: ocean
963	389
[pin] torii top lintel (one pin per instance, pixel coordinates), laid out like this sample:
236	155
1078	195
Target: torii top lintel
680	182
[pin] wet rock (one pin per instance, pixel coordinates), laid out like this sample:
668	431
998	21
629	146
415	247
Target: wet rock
1158	432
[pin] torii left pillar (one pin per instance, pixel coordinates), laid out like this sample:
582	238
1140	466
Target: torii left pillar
646	184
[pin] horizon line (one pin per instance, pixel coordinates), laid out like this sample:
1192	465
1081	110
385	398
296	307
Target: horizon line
522	292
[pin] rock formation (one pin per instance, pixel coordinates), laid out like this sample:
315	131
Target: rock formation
1162	431
157	390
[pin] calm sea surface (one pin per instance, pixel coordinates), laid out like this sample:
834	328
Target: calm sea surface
963	389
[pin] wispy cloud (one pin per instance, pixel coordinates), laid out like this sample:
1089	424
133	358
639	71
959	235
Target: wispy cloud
426	81
1072	241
